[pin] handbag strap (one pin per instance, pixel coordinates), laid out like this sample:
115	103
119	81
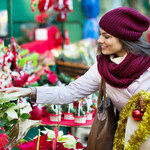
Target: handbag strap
102	93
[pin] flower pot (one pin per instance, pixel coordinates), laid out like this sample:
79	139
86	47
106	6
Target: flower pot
45	113
80	119
68	116
36	113
54	117
89	116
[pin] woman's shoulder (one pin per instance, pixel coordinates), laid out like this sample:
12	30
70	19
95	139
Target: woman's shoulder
142	83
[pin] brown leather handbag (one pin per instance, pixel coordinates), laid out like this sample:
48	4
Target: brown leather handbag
104	125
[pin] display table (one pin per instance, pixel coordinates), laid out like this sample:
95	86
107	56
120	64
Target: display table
69	123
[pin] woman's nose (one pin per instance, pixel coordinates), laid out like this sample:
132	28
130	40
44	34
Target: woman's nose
100	39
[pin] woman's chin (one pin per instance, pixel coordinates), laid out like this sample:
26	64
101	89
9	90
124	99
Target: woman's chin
104	53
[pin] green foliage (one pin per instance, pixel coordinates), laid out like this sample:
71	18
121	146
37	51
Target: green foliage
65	108
82	112
49	110
2	122
25	116
64	78
15	148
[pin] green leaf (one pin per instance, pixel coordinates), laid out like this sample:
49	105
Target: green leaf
9	97
25	116
2	122
15	148
2	131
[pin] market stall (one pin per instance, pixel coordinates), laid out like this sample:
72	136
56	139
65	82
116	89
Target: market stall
47	55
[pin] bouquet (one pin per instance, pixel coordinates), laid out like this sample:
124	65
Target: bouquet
13	117
12	109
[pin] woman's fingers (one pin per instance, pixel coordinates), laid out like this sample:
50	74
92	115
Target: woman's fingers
9	90
5	90
2	90
24	91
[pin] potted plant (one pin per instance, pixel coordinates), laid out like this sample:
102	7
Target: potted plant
54	112
68	111
79	114
88	108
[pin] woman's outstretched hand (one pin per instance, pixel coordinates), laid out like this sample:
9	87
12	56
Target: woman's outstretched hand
23	91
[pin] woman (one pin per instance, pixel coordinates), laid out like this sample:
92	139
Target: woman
123	62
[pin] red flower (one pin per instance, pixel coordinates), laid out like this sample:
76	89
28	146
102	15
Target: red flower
27	145
52	77
3	140
79	145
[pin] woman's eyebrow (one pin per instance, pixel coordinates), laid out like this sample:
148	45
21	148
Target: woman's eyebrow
104	33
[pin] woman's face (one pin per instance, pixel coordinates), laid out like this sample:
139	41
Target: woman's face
109	44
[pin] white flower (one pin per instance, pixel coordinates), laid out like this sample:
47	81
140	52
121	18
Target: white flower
12	114
24	107
70	141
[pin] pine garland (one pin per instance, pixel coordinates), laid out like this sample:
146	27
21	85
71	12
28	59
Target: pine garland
144	127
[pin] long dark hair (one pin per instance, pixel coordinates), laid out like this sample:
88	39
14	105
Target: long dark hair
139	46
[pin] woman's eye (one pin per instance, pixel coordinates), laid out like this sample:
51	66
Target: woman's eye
107	37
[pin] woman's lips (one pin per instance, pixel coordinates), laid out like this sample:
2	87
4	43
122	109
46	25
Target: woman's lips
103	47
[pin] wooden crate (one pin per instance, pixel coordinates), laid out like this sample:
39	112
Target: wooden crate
72	69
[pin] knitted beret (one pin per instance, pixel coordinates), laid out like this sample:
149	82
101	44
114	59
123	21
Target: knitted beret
124	23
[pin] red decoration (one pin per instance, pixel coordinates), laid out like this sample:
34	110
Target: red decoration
34	4
137	114
36	113
59	5
66	34
10	58
44	5
69	5
42	17
61	16
21	79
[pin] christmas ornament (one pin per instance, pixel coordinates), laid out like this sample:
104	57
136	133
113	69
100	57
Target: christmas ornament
44	5
62	7
61	16
59	5
137	114
34	4
10	58
69	5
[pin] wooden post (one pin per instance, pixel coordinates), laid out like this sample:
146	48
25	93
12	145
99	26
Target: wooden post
10	24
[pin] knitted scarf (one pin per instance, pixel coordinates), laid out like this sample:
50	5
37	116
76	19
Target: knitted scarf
123	74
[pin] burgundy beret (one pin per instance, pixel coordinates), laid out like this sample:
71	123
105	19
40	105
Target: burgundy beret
124	23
